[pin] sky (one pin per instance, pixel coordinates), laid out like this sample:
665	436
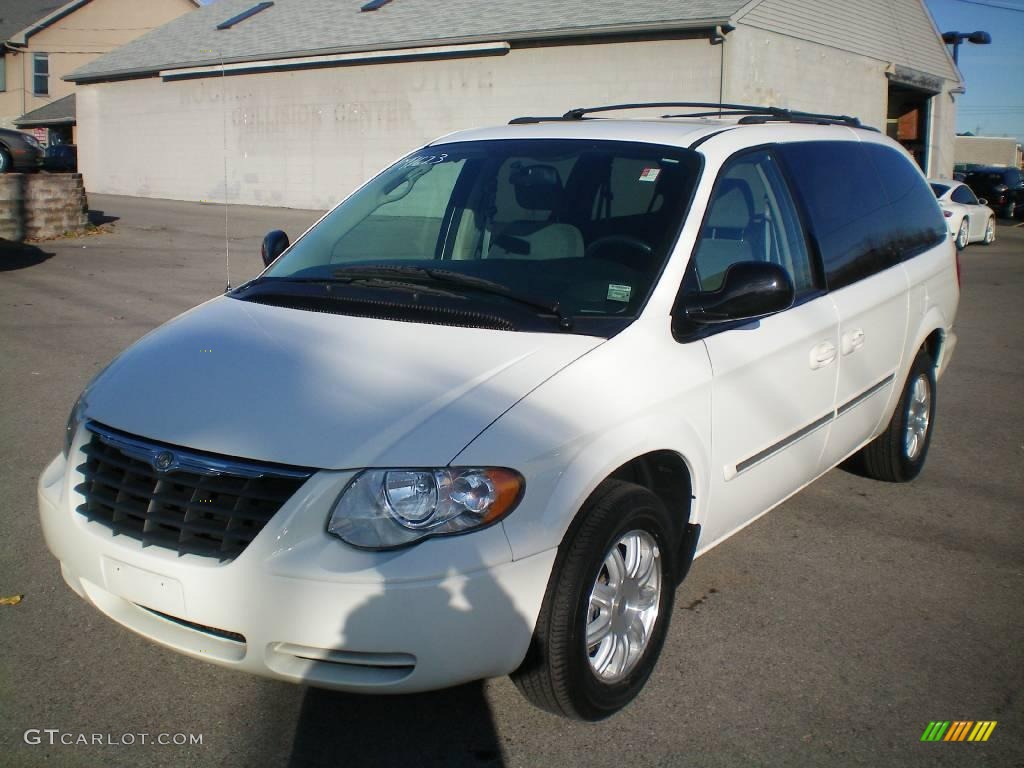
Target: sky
993	74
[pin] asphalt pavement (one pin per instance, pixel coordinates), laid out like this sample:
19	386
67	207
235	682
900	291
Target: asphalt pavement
829	632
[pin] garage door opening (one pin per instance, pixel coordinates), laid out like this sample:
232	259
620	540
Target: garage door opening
907	120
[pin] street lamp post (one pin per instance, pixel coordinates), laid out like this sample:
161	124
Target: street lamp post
955	38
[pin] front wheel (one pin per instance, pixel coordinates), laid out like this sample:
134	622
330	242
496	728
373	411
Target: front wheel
898	454
5	160
607	606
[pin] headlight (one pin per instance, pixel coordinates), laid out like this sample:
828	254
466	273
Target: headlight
389	508
75	420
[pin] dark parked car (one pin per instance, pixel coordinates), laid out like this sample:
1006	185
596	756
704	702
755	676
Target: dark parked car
1002	187
19	151
61	157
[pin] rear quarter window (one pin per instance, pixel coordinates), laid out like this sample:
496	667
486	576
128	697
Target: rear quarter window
867	205
915	220
963	195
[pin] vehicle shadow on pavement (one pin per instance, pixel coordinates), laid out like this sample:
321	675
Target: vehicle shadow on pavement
452	727
444	728
20	255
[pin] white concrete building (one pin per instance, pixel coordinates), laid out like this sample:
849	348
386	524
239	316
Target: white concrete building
987	150
299	102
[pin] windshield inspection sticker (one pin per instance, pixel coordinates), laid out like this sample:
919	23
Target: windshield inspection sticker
618	292
649	174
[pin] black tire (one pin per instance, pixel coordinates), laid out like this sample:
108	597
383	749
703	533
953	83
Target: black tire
889	457
6	164
557	675
1009	210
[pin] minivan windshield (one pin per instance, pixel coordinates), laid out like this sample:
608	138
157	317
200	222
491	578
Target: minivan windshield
578	227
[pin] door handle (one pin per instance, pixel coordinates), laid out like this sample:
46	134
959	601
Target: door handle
822	355
853	341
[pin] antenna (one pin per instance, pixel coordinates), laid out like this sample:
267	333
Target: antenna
224	135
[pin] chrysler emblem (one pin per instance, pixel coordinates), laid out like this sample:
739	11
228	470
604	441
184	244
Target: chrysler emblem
163	461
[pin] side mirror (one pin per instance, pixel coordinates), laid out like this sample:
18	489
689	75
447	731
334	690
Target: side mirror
751	289
982	201
274	244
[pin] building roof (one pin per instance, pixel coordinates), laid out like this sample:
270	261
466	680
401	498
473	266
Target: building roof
18	15
59	112
309	27
898	31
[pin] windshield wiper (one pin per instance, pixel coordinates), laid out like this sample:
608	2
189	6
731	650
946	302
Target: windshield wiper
391	280
449	277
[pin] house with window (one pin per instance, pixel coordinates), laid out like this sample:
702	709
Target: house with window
295	102
43	40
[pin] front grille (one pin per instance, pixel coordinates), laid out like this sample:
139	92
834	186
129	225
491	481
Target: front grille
200	504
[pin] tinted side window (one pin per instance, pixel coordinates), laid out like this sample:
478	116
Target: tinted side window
915	219
983	180
963	195
847	207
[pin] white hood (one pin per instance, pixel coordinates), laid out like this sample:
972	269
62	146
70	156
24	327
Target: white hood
321	390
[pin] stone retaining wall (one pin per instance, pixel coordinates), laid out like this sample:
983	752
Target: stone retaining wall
41	205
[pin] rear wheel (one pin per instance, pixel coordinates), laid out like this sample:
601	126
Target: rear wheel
1008	210
898	454
5	160
963	236
606	609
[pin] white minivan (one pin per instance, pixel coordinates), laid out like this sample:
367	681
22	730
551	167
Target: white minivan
481	417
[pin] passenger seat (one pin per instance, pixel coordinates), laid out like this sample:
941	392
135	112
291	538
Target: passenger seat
537	240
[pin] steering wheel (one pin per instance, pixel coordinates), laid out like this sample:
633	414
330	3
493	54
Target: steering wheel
627	241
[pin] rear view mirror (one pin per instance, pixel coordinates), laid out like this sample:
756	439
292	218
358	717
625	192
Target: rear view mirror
751	289
982	201
537	187
274	244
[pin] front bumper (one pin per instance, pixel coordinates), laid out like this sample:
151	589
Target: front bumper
300	605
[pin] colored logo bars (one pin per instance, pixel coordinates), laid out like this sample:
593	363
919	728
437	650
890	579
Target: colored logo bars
958	730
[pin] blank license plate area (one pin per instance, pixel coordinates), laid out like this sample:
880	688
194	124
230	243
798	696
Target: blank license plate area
146	588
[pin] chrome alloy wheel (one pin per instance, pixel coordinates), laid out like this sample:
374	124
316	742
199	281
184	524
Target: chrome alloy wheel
918	416
990	232
623	606
963	235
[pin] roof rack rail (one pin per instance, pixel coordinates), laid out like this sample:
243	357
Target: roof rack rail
747	113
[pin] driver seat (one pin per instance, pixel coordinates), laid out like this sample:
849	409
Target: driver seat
726	237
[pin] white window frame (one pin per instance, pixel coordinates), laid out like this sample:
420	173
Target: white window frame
36	58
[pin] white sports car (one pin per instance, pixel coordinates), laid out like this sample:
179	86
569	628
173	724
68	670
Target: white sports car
969	219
